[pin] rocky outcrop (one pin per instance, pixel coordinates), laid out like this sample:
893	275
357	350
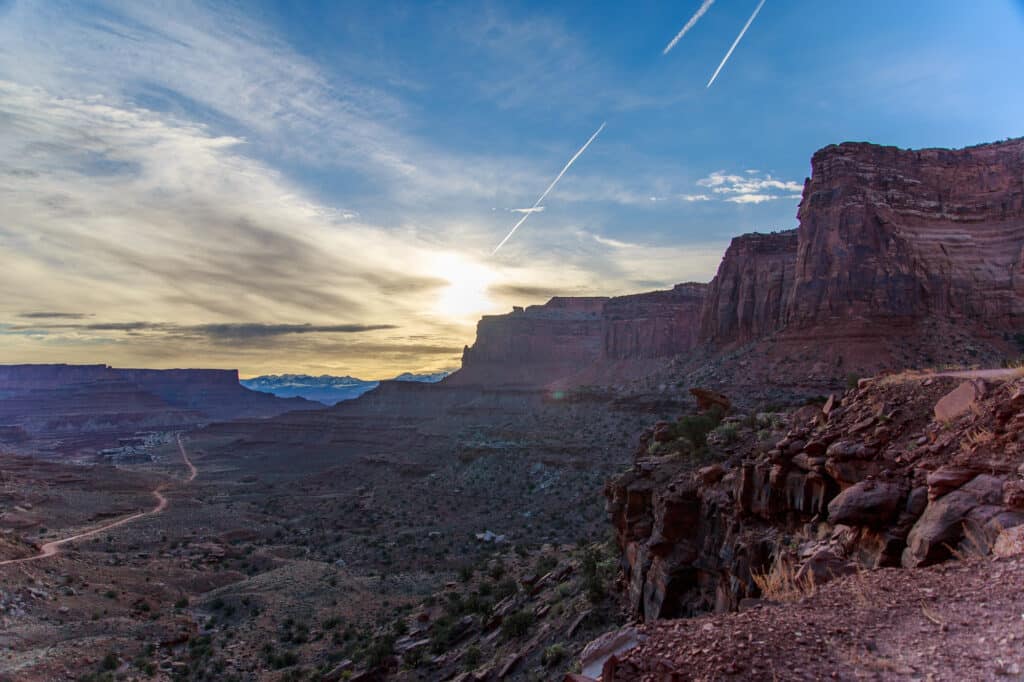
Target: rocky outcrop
872	481
748	296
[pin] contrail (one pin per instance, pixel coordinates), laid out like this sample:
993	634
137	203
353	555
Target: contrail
736	42
554	182
704	7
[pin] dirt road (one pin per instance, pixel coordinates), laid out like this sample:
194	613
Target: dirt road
53	547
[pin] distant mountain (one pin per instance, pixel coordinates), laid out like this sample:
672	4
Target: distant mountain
422	378
326	389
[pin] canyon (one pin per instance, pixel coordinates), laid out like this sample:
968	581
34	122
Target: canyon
459	530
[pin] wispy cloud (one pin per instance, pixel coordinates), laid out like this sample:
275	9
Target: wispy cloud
614	243
704	7
45	315
753	187
694	197
535	209
554	182
233	332
736	42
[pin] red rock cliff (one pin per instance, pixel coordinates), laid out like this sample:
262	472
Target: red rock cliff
545	343
887	233
901	258
746	298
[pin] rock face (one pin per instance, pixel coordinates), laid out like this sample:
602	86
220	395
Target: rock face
875	482
653	325
892	234
565	336
748	297
901	258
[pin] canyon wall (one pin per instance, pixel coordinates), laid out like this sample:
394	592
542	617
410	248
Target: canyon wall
542	344
892	233
748	295
901	258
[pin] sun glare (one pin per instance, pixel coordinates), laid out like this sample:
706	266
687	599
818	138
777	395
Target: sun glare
466	296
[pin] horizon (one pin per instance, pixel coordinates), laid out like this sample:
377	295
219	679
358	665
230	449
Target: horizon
318	189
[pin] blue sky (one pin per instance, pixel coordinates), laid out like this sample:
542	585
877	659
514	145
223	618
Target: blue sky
318	186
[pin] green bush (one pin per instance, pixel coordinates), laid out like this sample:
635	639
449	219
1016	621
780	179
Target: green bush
728	433
696	427
553	655
517	624
472	657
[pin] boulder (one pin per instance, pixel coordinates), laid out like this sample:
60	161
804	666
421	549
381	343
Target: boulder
610	644
959	400
947	478
941	525
868	503
824	565
1010	542
1013	495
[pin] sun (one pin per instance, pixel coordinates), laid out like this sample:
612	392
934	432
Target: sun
466	295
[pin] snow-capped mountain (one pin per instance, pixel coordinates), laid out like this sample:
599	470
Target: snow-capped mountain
326	389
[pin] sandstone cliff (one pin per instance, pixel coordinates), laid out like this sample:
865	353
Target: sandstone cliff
902	258
569	336
752	288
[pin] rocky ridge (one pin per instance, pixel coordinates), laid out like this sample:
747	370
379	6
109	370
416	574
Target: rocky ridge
870	480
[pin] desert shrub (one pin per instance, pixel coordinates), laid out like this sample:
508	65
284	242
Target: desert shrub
517	624
110	662
696	427
506	588
379	651
545	564
553	655
441	634
728	433
852	379
472	657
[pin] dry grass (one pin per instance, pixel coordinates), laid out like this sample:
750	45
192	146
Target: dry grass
782	584
977	543
979	436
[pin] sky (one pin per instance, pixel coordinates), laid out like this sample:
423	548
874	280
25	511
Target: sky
320	187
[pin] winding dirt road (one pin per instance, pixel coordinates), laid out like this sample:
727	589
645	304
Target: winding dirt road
53	547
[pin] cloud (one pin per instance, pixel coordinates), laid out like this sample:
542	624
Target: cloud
753	187
694	197
704	7
535	209
225	331
152	168
519	291
614	243
45	315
